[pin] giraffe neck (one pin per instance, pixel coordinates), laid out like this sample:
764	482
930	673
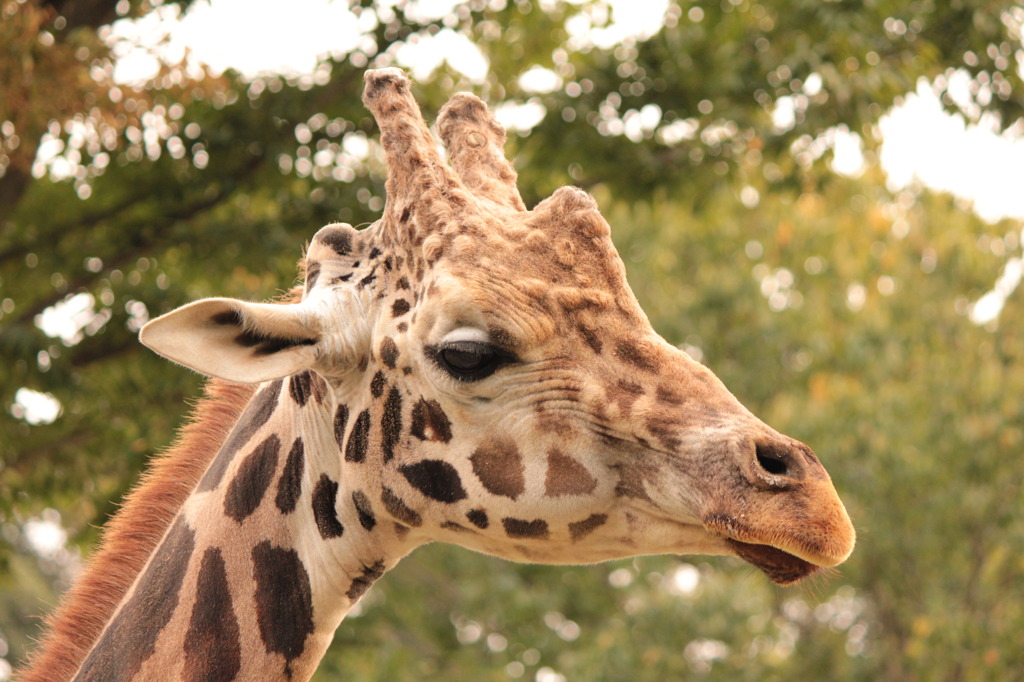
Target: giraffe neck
263	560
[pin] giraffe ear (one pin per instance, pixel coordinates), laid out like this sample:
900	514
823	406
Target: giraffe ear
237	340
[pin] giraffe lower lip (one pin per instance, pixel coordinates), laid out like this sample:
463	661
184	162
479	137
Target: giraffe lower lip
781	567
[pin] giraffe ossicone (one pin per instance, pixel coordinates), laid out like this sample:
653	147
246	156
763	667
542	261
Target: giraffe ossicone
463	370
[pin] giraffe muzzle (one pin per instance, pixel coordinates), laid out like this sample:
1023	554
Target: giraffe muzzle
788	520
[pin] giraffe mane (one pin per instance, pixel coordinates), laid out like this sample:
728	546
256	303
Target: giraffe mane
132	534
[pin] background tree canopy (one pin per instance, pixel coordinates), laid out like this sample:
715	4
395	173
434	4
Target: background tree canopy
837	310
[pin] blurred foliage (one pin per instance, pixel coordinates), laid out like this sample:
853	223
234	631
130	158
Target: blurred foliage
835	310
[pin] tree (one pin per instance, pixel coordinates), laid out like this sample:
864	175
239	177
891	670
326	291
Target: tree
833	309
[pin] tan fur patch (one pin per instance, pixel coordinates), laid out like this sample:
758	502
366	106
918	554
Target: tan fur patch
566	252
536	240
572	299
433	247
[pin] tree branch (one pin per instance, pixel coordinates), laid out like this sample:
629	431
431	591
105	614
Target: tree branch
145	245
85	222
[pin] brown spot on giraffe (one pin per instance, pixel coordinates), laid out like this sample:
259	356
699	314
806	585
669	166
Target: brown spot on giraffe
399	509
665	430
340	422
566	476
212	648
284	601
289	486
304	385
478	517
580	529
247	488
337	238
436	479
325	496
400	307
364	510
391	423
499	467
669	395
255	416
359	439
378	384
363	582
519	528
636	355
451	525
429	422
389	352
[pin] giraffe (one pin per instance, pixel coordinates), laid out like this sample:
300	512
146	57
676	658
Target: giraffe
464	370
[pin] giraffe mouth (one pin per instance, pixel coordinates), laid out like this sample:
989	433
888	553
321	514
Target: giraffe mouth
782	568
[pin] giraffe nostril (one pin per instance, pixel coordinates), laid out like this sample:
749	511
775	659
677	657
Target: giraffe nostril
771	460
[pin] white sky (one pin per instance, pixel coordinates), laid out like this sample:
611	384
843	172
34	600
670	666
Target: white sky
251	36
921	142
947	154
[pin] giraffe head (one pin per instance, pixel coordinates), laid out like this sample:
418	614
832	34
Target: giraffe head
486	377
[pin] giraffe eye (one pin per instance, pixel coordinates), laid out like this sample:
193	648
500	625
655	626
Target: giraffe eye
469	360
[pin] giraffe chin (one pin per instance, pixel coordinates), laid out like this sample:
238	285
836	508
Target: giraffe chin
781	567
